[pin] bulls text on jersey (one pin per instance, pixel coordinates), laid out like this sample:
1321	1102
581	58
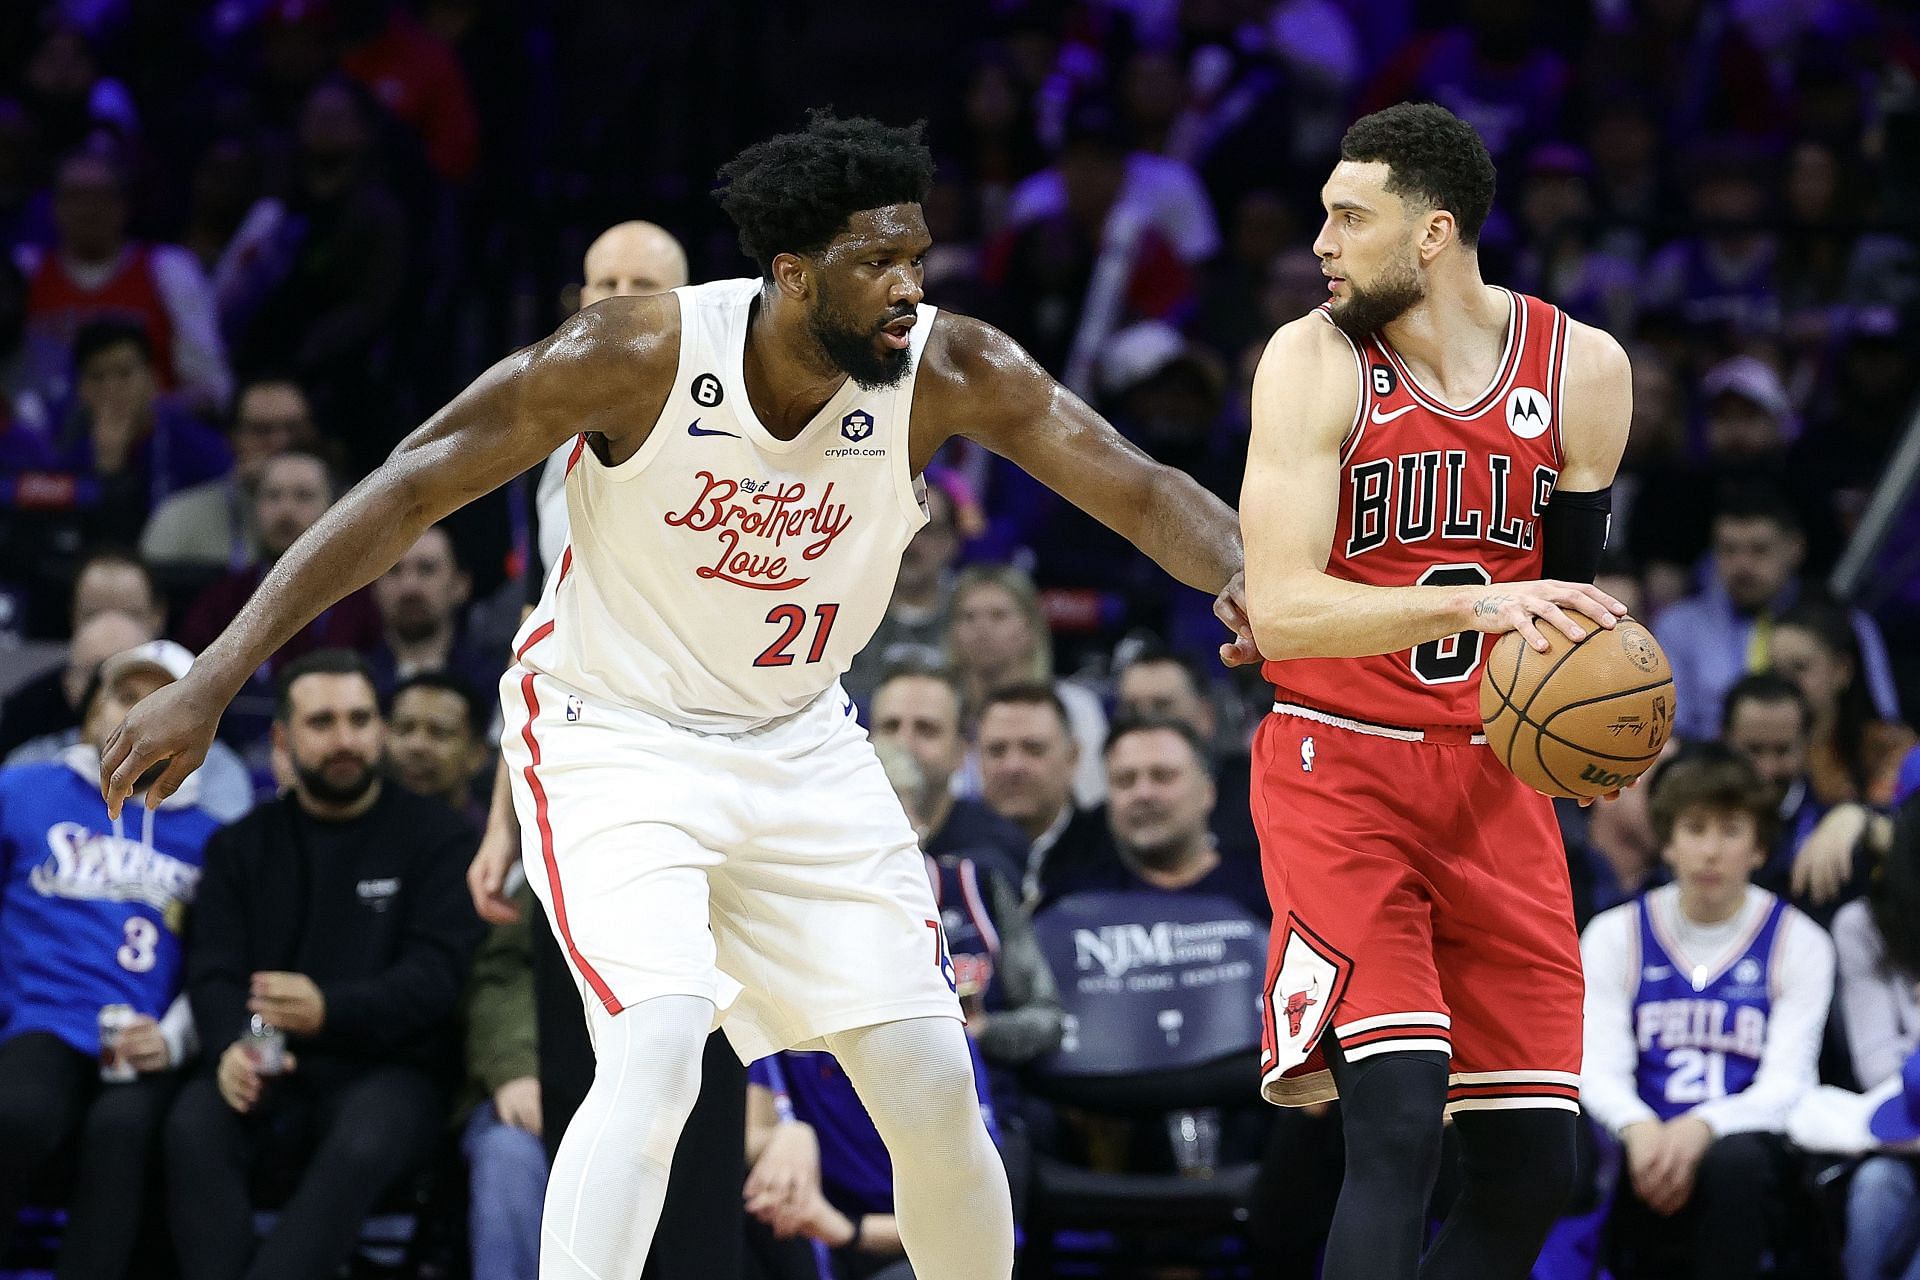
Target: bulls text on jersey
1418	497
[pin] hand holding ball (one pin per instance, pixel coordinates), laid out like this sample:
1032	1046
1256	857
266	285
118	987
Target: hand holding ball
1584	718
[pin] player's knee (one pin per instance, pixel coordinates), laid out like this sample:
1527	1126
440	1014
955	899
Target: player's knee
1392	1107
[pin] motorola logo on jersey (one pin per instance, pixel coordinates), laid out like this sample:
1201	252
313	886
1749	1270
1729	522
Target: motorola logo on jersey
1417	497
1527	413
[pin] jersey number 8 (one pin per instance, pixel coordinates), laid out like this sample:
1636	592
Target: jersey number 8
1450	659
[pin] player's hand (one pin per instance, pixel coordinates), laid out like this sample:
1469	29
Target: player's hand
787	1172
1230	606
239	1083
517	1102
1610	796
1688	1138
1824	863
161	741
142	1047
1523	606
290	1001
487	873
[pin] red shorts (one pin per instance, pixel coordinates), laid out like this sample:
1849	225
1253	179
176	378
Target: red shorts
1420	902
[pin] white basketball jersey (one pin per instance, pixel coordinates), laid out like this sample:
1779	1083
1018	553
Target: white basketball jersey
721	578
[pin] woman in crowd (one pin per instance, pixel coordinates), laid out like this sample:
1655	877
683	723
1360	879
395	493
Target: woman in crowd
1855	756
997	636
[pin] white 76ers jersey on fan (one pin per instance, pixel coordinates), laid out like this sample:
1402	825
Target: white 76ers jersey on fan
721	578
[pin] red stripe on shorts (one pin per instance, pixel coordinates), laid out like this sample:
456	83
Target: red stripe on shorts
599	986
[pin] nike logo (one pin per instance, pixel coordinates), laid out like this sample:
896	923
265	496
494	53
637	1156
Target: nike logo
1379	417
695	429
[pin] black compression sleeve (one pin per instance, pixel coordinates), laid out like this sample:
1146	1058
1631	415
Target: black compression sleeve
1575	528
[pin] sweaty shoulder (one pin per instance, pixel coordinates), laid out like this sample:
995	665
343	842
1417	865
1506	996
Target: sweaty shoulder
1308	382
975	381
611	365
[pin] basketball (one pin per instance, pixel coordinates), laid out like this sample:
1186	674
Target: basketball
1584	718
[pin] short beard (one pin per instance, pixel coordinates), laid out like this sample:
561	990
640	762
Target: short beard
1367	311
317	785
853	352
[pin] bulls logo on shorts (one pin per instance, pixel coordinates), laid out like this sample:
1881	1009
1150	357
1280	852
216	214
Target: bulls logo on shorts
1306	986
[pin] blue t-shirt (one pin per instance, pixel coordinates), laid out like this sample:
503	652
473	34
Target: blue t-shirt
87	917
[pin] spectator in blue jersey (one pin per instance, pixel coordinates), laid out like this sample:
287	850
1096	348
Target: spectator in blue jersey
1706	1001
337	914
820	1175
92	915
224	788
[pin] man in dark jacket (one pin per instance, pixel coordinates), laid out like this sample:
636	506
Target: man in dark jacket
337	915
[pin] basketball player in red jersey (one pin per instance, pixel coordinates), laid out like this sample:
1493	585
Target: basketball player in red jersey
1426	449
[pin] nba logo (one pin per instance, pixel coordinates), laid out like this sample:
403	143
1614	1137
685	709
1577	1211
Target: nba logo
1306	755
573	709
857	426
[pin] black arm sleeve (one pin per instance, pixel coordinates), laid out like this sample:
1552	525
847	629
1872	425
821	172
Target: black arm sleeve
1575	528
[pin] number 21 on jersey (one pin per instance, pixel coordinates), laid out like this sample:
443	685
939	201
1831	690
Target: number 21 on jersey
792	620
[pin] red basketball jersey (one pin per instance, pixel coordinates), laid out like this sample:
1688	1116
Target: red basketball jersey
1433	495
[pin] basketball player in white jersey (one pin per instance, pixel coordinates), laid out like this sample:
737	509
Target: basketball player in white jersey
719	843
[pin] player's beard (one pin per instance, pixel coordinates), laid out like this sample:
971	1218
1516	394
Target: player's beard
854	350
1368	310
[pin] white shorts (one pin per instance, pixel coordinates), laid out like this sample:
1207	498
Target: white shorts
772	872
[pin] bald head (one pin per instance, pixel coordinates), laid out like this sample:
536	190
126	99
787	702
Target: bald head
630	259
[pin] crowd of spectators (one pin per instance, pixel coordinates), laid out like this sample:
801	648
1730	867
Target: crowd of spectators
248	245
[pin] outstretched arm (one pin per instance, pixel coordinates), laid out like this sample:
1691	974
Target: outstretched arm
1304	396
596	373
994	393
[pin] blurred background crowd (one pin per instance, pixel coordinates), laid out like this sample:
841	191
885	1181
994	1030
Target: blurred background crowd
249	244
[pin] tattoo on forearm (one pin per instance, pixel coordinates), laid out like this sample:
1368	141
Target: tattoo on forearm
1489	606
